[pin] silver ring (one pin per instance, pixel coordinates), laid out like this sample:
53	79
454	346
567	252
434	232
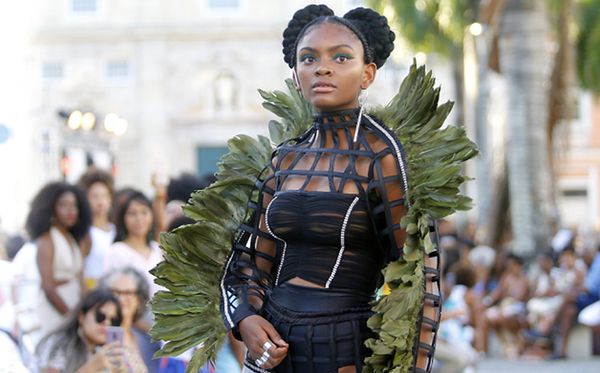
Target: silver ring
261	360
267	345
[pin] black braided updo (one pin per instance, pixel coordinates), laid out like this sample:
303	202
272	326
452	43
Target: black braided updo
370	27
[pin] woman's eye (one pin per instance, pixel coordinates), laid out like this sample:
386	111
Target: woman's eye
307	58
341	58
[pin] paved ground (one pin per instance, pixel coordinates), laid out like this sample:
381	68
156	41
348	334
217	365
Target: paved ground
528	366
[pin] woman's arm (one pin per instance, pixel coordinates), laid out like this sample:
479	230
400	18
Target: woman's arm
45	262
249	272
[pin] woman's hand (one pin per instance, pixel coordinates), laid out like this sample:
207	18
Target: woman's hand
111	356
256	332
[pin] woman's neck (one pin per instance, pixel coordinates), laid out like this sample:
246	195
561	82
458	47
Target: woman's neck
62	229
137	242
336	129
101	221
127	323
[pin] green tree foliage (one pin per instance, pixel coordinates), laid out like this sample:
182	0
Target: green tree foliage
436	26
588	44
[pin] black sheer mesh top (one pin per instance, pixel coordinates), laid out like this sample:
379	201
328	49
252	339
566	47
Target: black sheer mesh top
327	211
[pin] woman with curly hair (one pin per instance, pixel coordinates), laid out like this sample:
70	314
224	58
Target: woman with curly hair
58	223
299	284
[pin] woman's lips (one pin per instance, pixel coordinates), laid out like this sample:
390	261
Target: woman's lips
321	87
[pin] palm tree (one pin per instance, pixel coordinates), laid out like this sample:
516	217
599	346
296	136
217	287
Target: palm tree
525	60
439	26
435	27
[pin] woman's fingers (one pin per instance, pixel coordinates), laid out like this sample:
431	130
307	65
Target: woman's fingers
265	345
273	335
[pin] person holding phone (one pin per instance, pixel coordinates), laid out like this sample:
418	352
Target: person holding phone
80	345
131	289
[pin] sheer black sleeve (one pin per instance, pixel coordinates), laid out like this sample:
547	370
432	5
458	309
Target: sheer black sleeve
389	186
388	191
248	271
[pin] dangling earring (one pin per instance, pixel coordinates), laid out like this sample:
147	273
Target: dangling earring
362	99
296	80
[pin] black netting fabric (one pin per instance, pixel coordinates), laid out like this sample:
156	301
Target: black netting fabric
326	211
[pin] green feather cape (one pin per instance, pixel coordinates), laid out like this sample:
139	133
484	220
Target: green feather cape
187	313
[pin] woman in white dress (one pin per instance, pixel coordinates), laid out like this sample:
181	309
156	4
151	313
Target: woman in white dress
99	186
58	222
134	246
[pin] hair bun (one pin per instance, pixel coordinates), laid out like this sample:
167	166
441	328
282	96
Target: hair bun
300	19
376	31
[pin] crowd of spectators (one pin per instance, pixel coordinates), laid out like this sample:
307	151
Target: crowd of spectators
82	267
498	303
75	286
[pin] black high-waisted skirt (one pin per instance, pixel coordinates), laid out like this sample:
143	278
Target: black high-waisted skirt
325	328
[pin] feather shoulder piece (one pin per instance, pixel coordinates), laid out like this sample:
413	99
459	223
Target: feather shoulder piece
434	155
187	313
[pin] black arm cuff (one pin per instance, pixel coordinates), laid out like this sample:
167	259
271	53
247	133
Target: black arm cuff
241	312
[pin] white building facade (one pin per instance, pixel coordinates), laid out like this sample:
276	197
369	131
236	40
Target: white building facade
182	74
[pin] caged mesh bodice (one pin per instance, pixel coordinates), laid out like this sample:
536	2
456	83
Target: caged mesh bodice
327	211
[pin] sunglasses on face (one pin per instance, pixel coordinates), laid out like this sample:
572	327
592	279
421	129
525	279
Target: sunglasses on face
101	316
128	293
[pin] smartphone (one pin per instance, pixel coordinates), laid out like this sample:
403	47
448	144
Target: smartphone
114	334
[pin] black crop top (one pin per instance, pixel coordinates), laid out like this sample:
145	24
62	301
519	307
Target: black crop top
327	239
328	211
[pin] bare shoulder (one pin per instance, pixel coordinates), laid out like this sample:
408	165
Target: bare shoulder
44	242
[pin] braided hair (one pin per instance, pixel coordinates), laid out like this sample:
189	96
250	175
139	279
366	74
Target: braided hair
370	27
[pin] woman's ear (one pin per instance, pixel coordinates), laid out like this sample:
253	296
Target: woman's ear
80	318
368	77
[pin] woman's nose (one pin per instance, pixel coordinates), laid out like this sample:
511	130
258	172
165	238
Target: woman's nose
323	69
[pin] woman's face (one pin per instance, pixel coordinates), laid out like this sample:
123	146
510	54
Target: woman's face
94	323
138	219
66	210
99	198
567	260
125	289
330	67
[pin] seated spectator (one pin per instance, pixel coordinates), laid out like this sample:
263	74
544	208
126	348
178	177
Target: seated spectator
590	316
506	316
575	301
455	351
79	345
546	299
130	287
